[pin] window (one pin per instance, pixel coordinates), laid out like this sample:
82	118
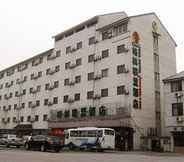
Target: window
46	101
177	109
106	35
15	106
135	104
39	74
59	114
24	91
47	86
8	119
104	92
45	117
90	76
68	49
23	105
55	100
120	69
74	113
83	112
91	40
56	84
36	118
30	90
28	118
66	81
104	73
67	65
47	71
14	119
37	103
176	86
79	45
120	90
78	61
58	53
16	94
92	111
102	111
120	29
67	114
29	103
155	43
157	76
21	119
91	58
77	97
9	107
90	94
32	76
135	92
105	53
65	98
78	79
57	68
121	49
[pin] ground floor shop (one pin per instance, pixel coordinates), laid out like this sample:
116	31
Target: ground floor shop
178	138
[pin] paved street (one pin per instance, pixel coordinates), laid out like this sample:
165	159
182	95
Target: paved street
15	155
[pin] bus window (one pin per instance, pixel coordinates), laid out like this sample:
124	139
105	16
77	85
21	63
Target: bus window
109	132
74	134
91	133
99	133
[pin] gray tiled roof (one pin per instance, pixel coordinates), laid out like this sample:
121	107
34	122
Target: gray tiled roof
174	77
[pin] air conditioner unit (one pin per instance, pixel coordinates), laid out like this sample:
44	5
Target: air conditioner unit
51	87
96	96
72	83
73	49
110	35
50	103
126	92
73	65
178	95
70	100
17	121
97	58
97	77
125	70
52	56
33	105
51	72
179	119
96	41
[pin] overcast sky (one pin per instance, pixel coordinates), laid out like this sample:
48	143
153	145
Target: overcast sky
27	27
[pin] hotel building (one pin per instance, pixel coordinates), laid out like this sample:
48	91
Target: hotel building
104	72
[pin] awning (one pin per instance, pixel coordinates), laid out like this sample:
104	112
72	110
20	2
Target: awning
23	127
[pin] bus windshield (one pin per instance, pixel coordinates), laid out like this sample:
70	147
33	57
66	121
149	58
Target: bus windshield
109	132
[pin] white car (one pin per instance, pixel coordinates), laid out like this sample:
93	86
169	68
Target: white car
11	140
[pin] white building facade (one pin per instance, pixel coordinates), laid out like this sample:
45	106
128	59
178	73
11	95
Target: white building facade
104	72
173	110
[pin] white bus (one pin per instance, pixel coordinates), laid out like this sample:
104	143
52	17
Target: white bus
90	138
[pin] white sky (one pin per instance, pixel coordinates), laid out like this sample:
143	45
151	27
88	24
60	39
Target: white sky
27	27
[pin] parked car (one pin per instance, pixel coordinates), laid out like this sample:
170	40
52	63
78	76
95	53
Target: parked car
44	143
11	140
